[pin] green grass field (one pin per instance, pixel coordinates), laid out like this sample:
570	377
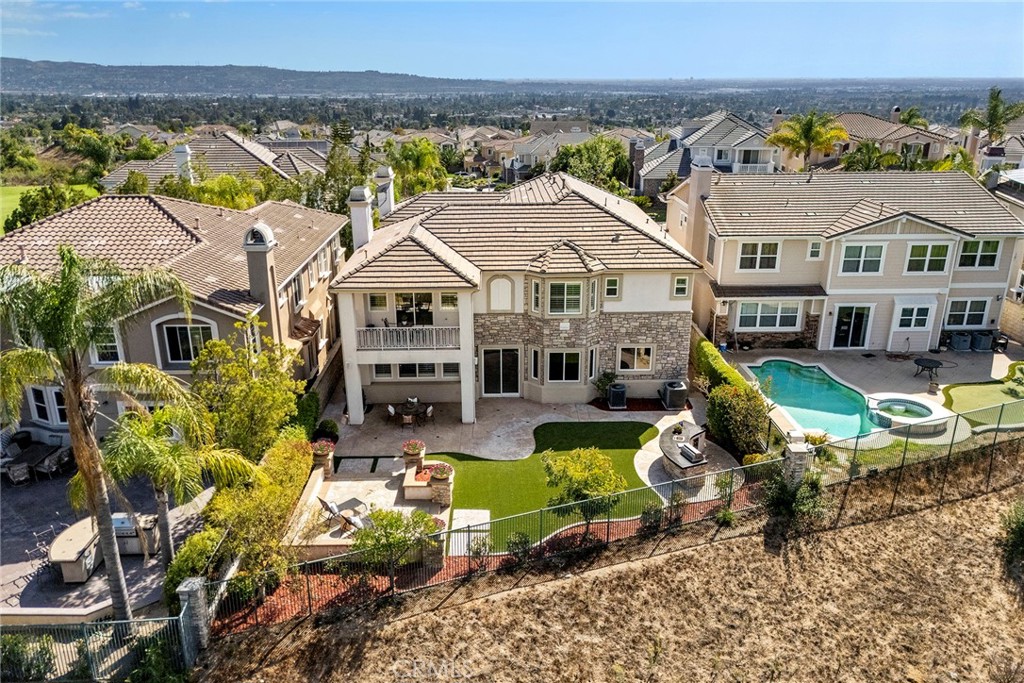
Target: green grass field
511	487
961	398
10	194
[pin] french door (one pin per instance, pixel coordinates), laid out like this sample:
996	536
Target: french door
501	372
851	327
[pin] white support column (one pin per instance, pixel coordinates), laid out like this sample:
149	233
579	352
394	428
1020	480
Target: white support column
353	379
467	354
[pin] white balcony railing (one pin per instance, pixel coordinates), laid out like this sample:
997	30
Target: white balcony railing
752	168
384	338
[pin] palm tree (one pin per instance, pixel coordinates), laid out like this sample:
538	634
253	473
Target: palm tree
957	159
913	117
996	116
54	318
803	134
868	156
172	448
911	158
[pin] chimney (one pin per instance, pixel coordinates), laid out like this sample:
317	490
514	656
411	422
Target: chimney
777	118
894	115
385	180
361	216
183	162
972	142
258	245
639	153
701	173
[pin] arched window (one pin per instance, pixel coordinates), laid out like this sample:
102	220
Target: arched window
499	293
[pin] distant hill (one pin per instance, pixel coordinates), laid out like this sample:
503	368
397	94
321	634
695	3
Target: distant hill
77	78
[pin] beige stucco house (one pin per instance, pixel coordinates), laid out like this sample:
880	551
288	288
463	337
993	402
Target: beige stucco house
532	293
274	260
845	260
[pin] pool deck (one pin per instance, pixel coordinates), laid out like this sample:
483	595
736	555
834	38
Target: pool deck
884	373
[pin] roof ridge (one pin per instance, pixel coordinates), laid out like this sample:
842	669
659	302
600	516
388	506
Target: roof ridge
414	236
49	218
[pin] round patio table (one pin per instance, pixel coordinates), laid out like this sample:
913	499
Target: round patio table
929	364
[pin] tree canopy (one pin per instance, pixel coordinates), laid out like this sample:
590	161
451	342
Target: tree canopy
600	161
586	481
995	117
803	134
418	167
37	204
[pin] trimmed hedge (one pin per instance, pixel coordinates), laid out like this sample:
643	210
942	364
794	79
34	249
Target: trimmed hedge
307	411
710	363
191	559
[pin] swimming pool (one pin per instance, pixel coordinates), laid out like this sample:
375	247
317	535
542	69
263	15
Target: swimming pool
814	399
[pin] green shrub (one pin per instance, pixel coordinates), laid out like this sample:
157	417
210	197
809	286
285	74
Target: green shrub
737	417
23	658
307	410
725	516
710	363
479	550
156	663
1012	541
327	429
191	559
650	518
794	506
761	471
519	545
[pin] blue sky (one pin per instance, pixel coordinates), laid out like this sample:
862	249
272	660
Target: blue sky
536	39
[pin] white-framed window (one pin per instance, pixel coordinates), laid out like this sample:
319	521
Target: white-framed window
759	256
814	251
636	358
499	292
310	280
417	370
710	256
450	370
382	371
106	349
535	296
449	301
612	288
184	342
680	286
338	248
297	299
535	364
377	302
979	254
927	258
768	315
967	312
323	263
722	154
862	258
592	363
565	297
593	296
563	366
914	317
48	405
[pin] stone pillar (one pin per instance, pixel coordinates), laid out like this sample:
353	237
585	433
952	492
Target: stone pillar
467	350
414	459
441	490
433	553
193	591
353	380
798	457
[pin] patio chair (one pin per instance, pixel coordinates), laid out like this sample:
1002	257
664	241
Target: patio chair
429	415
409	420
19	474
44	537
48	466
65	459
331	510
391	414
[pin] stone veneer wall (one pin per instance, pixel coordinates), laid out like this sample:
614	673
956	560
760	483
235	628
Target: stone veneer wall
808	336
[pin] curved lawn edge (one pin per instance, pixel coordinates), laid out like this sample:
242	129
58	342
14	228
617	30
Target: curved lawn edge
512	487
946	390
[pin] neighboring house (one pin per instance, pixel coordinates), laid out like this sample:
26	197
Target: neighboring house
274	260
627	135
845	260
283	129
472	137
376	137
218	154
491	158
538	150
890	135
1007	153
439	138
734	145
531	292
137	130
550	126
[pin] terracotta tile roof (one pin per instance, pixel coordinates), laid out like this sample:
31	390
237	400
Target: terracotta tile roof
827	204
554	222
861	126
725	128
304	328
201	243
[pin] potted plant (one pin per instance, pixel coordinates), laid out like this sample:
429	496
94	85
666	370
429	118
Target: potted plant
412	453
322	451
441	471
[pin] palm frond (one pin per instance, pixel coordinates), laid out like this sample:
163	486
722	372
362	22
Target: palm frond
123	295
973	118
141	380
18	369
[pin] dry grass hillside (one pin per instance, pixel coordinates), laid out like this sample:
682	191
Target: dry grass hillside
915	598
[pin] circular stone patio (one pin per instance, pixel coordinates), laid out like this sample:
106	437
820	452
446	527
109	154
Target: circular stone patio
649	460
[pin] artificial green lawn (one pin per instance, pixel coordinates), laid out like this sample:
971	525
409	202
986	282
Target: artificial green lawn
510	487
10	194
961	398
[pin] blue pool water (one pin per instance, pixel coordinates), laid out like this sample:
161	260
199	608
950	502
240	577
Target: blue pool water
814	399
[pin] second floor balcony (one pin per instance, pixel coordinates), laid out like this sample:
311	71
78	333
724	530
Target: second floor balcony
406	338
753	168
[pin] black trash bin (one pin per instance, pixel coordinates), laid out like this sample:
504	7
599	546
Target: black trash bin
617	396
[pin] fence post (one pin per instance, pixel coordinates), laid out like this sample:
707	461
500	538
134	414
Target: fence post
949	457
899	475
608	524
992	452
193	591
732	483
88	652
540	525
309	593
